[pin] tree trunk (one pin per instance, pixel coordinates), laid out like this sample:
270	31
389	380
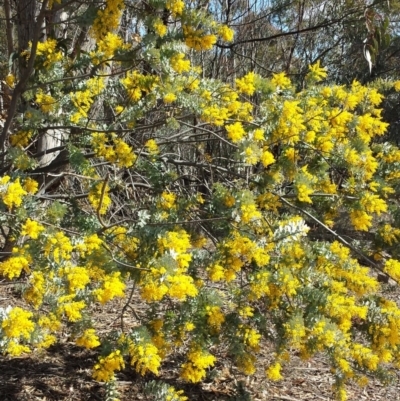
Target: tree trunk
25	19
9	32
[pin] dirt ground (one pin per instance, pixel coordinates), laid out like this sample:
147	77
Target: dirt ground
63	373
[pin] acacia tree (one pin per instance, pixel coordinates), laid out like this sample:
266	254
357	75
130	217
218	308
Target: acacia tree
214	202
289	35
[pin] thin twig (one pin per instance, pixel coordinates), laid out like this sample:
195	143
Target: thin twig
337	236
20	87
125	307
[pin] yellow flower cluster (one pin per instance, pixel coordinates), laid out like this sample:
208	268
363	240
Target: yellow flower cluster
11	193
175	6
176	243
303	193
158	281
112	286
252	154
215	115
136	84
235	132
267	158
107	19
215	317
181	286
36	290
246	363
107	47
291	123
78	277
83	99
392	267
341	268
169	98
179	64
13	266
396	86
198	361
386	331
71	309
249	336
113	149
295	331
90	244
246	84
369	126
16	349
129	244
343	309
304	185
316	72
281	80
88	339
48	53
224	104
152	147
249	212
259	285
160	28
197	39
58	246
144	357
21	138
365	357
152	291
360	220
269	201
389	234
31	185
32	228
18	324
226	33
46	341
286	283
46	102
119	109
274	372
175	395
324	334
373	204
99	200
10	80
235	252
105	369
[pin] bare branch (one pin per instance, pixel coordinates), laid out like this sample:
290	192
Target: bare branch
20	87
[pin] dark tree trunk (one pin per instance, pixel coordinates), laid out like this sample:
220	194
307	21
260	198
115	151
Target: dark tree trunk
25	21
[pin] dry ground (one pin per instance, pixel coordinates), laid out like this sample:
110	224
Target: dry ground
63	373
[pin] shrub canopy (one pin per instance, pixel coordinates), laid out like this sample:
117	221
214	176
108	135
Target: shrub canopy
240	212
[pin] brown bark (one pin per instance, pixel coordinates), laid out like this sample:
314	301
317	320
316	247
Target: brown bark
9	33
26	26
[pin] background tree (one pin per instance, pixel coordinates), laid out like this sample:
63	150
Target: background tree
289	35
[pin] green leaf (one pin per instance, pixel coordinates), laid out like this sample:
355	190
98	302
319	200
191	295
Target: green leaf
87	18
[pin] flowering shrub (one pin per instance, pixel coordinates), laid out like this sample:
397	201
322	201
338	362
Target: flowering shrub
207	201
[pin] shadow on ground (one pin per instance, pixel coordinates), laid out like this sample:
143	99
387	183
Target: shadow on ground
63	372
